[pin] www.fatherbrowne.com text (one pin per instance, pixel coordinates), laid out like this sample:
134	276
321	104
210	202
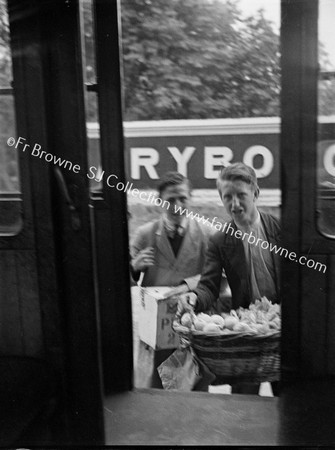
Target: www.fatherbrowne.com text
251	238
97	175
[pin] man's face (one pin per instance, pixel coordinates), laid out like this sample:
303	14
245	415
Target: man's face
178	196
239	199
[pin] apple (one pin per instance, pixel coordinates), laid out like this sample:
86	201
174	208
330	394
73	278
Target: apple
242	327
204	317
186	320
199	324
230	322
211	328
218	320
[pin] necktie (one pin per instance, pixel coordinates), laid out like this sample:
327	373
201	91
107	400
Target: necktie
176	240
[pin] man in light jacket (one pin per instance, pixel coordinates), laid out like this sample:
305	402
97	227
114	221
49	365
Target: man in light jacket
169	251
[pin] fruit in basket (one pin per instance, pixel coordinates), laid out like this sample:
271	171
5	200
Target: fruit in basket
211	327
272	315
186	320
205	317
252	317
264	328
242	327
226	331
199	324
275	323
257	327
247	347
262	317
230	322
218	320
233	313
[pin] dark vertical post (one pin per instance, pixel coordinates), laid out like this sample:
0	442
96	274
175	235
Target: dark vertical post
65	114
115	304
298	104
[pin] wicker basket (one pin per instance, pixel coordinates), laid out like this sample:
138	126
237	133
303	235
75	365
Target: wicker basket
235	357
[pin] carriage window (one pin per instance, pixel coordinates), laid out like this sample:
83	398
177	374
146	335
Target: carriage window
10	215
326	123
91	98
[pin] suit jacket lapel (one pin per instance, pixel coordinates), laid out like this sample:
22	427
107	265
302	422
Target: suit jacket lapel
163	244
189	243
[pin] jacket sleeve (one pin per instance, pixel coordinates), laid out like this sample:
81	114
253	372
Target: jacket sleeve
138	243
192	282
209	285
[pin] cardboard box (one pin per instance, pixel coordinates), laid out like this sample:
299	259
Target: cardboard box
155	318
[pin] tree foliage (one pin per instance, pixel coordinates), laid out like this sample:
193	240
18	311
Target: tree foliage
5	59
8	159
185	59
197	59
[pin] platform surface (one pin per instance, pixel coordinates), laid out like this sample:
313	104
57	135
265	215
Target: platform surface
303	415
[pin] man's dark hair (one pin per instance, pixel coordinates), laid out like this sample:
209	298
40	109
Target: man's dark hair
238	171
172	179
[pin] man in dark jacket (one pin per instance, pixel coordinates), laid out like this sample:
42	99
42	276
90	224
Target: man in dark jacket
252	269
244	247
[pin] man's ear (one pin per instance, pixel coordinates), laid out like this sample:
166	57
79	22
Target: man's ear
256	194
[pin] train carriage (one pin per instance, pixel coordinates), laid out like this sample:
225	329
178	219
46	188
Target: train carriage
65	309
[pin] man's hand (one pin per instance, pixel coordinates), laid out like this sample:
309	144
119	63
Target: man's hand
178	290
186	303
144	259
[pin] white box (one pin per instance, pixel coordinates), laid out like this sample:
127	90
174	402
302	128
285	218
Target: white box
156	314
